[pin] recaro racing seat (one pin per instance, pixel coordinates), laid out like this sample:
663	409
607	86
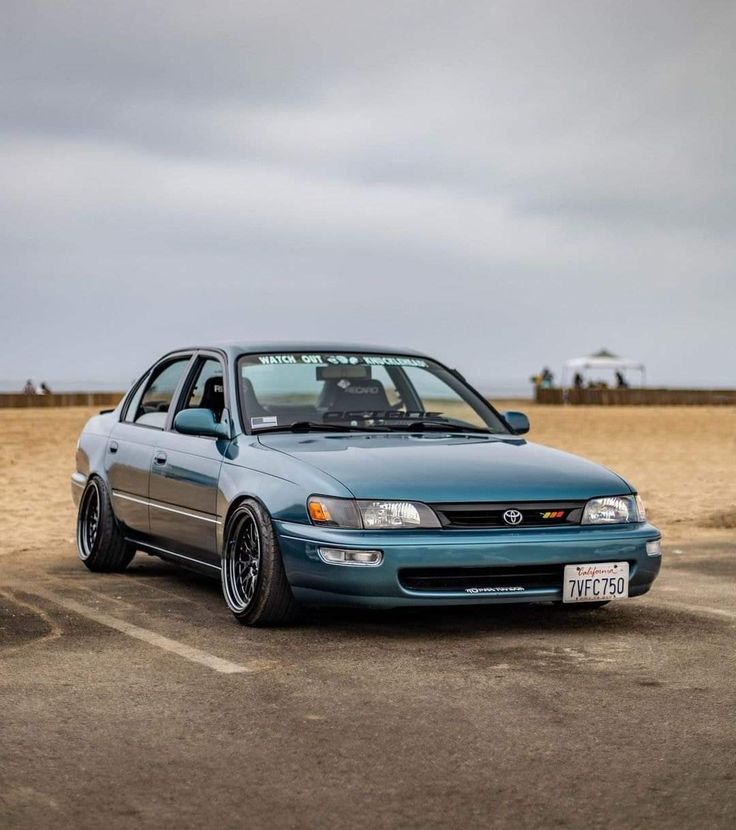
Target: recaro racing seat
344	395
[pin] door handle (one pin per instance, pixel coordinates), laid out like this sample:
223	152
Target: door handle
160	457
113	447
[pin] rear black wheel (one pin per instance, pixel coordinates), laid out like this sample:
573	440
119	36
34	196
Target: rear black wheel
100	540
254	582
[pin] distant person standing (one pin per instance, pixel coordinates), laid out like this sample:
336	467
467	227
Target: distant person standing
547	378
44	389
621	382
578	381
29	388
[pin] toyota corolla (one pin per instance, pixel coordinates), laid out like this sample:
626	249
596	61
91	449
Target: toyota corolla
326	474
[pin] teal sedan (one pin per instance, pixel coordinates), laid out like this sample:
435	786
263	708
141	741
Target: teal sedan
338	474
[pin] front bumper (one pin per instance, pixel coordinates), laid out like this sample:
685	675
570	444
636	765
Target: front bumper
317	582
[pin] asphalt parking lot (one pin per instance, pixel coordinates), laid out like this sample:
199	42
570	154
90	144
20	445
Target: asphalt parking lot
135	700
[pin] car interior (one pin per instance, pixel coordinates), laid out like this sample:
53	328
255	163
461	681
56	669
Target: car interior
334	389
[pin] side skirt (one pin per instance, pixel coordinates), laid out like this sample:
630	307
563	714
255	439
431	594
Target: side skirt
184	560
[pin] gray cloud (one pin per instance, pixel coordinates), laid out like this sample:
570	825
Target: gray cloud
501	184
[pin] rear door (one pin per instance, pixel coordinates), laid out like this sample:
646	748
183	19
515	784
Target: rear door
186	470
132	440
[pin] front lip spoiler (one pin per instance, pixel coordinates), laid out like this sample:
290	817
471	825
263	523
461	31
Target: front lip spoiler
442	537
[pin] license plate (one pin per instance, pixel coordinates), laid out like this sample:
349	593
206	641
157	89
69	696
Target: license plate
595	582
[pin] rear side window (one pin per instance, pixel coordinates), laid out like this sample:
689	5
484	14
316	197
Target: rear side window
151	408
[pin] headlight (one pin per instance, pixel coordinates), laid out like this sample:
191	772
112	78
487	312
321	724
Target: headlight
370	515
390	514
612	510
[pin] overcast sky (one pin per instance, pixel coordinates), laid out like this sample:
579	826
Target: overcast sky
502	184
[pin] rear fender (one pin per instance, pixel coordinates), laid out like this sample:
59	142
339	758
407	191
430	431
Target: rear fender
90	452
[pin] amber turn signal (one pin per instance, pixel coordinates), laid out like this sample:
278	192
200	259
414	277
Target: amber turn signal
318	512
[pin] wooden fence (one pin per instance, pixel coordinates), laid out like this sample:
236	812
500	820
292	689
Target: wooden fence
637	397
104	399
576	397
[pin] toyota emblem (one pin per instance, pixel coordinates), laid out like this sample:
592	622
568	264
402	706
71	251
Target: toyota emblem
512	517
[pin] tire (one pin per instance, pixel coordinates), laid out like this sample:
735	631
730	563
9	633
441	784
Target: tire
254	581
100	541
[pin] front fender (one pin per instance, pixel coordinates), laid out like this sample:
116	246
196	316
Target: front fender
282	484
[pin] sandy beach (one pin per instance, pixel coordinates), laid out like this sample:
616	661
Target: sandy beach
682	460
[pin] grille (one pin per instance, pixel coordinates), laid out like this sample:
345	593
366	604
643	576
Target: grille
528	577
534	514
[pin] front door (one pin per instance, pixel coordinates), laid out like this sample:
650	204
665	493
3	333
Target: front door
185	473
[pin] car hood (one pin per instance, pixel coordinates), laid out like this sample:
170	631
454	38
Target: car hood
437	468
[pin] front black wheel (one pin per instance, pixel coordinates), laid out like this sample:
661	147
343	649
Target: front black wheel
100	540
254	582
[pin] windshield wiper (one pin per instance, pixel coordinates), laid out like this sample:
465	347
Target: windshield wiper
441	426
315	426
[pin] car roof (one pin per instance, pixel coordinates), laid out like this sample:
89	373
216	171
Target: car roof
233	349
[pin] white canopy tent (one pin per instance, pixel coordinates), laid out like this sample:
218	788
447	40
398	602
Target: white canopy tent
602	361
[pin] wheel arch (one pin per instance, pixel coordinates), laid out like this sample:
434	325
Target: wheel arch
234	504
90	455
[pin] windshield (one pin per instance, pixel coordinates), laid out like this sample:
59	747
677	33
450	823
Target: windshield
365	391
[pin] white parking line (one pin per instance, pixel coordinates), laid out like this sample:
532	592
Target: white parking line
194	655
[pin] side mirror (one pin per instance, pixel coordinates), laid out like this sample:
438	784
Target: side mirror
517	421
200	422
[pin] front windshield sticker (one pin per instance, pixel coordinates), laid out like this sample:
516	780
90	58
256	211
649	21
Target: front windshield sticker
267	421
273	359
396	361
341	359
